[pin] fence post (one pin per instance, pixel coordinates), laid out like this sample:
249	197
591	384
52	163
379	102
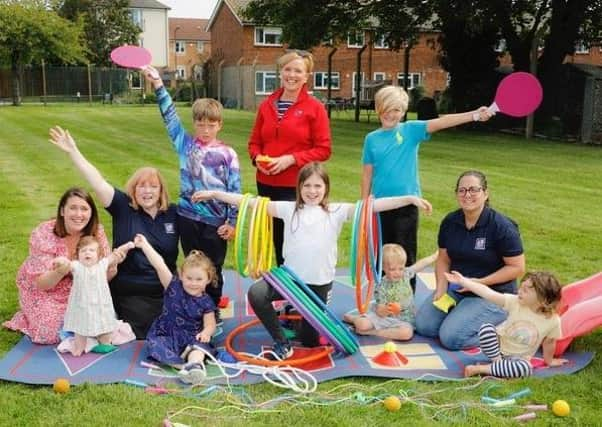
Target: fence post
44	82
89	85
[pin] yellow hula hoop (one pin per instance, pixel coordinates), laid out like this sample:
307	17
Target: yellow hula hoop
240	223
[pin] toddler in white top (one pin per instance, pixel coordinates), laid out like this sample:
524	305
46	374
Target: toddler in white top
90	311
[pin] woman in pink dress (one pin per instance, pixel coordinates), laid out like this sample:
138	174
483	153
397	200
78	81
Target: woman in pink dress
43	287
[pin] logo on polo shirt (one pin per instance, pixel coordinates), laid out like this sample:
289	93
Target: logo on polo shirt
169	228
479	244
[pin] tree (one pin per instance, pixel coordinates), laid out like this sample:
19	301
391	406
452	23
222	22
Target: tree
30	33
107	25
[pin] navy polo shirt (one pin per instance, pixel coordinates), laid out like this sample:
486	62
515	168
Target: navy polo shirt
479	251
136	275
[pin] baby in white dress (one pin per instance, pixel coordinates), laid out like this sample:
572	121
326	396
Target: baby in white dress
90	311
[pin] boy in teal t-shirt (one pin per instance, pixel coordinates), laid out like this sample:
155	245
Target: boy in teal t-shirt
390	162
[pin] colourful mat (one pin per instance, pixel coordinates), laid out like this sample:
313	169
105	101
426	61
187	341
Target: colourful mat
427	360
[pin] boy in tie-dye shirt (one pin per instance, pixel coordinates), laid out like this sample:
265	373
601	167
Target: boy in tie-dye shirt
206	163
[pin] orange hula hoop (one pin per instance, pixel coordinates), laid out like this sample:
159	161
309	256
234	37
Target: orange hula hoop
264	362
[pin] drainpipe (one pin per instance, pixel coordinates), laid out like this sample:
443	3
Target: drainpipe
239	89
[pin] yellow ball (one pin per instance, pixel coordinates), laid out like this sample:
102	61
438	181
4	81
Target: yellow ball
390	347
561	408
61	385
392	403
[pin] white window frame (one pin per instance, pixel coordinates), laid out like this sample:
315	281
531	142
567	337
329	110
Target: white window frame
379	76
179	47
181	72
265	77
412	76
357	35
380	42
581	48
353	82
262	32
137	16
323	77
200	46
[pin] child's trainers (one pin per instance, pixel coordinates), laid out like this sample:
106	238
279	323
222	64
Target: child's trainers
193	373
282	350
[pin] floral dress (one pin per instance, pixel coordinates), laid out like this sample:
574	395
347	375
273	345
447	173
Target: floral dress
179	323
41	311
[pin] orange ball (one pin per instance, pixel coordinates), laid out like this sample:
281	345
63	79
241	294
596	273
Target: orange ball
61	385
394	308
263	160
392	403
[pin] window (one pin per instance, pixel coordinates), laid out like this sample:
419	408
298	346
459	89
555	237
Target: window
135	80
380	42
200	46
355	39
354	82
141	42
413	80
136	16
321	80
581	47
265	82
379	76
268	36
180	46
500	46
181	72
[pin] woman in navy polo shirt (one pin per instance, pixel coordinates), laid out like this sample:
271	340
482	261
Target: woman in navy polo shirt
482	244
143	208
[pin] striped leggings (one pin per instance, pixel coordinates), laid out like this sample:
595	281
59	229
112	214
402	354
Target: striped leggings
501	367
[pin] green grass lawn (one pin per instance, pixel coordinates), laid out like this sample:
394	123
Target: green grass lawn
553	190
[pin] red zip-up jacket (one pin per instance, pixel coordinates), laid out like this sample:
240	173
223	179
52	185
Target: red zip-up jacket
303	131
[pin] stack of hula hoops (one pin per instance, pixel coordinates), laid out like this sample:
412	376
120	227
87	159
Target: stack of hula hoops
365	258
258	262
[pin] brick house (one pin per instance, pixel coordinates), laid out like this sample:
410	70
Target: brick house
189	47
243	67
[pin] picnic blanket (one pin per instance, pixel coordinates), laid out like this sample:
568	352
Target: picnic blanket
427	359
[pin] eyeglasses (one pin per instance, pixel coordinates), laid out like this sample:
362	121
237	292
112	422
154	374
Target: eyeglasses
471	190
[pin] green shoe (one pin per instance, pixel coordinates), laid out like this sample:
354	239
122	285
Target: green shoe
103	348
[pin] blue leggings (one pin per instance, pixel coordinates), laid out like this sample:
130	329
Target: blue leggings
501	366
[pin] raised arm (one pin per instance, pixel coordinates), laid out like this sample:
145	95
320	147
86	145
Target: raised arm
482	114
229	198
422	263
388	203
164	273
480	289
442	265
62	139
118	255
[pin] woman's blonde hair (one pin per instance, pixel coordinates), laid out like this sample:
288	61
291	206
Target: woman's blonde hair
307	58
147	174
199	259
391	98
394	252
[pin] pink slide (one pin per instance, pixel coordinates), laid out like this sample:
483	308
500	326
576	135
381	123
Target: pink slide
580	310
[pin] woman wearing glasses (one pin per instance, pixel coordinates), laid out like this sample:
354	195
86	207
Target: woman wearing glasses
291	129
482	244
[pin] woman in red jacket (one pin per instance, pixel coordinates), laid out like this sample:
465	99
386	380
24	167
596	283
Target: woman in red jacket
291	129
